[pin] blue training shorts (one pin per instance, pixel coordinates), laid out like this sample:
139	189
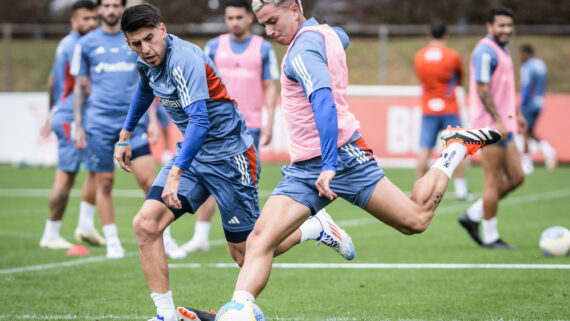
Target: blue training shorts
69	157
355	180
232	181
101	147
433	124
254	132
531	115
504	143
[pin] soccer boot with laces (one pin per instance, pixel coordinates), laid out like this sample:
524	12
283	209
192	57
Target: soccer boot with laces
473	139
333	236
499	245
92	237
58	243
191	314
471	227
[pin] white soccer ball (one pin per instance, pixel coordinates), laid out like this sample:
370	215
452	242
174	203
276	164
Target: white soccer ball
240	311
555	241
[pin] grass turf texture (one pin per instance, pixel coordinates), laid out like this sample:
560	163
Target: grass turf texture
99	289
32	59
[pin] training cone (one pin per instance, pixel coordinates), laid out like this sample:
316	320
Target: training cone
78	250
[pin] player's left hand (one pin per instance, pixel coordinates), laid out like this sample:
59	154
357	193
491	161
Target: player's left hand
266	135
323	183
123	156
170	191
46	128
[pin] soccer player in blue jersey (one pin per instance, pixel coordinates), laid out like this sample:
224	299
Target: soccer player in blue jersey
533	79
248	65
216	157
103	58
60	120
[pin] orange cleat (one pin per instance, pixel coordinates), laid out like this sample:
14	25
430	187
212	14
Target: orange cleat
473	138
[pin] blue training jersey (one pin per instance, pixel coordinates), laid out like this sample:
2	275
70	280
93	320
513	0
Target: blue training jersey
534	74
111	66
63	80
186	77
485	61
270	70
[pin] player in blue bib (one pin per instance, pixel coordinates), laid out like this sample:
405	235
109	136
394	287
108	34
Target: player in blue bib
216	157
533	79
104	58
60	120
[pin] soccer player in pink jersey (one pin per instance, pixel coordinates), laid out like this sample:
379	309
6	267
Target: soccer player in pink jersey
492	102
329	156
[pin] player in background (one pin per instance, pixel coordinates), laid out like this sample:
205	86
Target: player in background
439	70
216	157
248	66
60	120
329	156
103	58
533	79
492	101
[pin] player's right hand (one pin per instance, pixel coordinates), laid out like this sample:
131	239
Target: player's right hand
79	138
46	128
323	184
500	127
123	156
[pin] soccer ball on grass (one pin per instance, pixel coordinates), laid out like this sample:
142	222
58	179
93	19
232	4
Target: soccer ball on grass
555	241
240	311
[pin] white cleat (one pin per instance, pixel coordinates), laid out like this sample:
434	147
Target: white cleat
550	160
92	237
56	244
195	245
115	251
173	251
335	237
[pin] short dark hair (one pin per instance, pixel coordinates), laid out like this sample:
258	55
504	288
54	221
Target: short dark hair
438	30
246	4
123	2
499	11
527	48
83	4
140	16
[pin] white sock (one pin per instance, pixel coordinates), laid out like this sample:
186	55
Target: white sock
164	305
546	149
460	185
243	296
490	231
111	234
310	229
201	231
86	215
475	211
51	231
450	158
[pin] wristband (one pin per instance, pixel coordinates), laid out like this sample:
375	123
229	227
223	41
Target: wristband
128	142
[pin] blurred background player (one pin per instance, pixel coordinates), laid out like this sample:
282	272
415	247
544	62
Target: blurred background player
248	66
533	79
104	58
439	70
492	101
60	120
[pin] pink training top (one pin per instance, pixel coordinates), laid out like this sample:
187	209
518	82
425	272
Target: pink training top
502	86
304	142
242	74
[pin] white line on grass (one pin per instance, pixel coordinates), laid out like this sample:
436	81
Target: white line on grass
377	266
41	267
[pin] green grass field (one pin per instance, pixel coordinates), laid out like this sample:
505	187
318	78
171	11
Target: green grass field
39	284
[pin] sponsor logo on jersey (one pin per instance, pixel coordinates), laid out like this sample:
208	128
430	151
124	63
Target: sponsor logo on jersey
170	102
100	50
121	66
